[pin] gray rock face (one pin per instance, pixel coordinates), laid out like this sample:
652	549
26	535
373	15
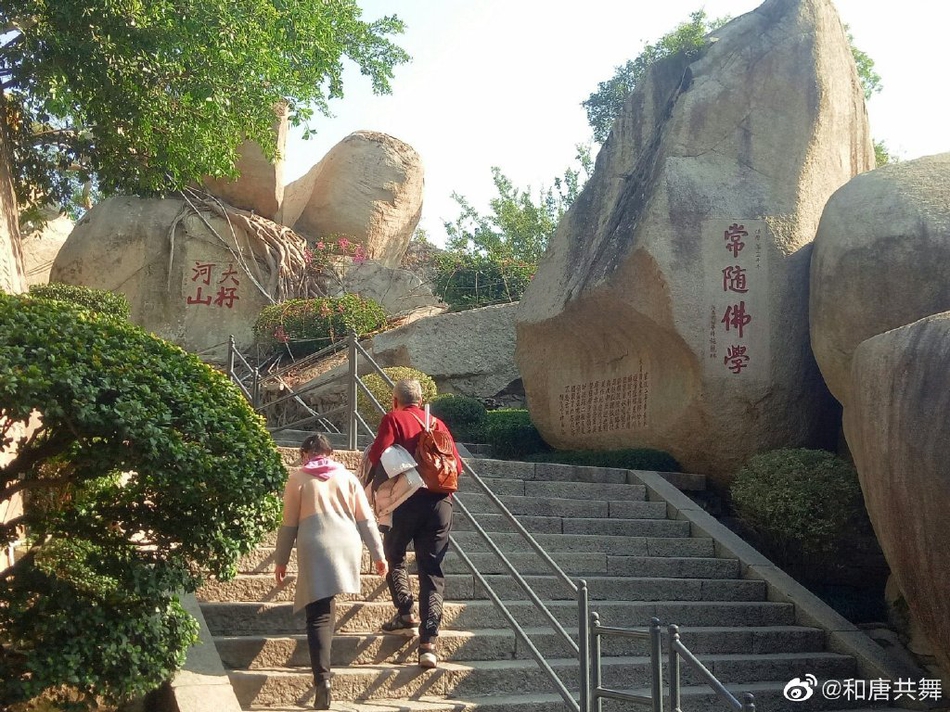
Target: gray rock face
895	422
670	310
189	289
881	260
368	187
398	290
470	353
41	247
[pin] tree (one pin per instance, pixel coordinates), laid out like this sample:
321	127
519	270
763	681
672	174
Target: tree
519	226
493	257
148	472
604	105
148	96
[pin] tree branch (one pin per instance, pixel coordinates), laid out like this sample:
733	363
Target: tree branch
11	571
29	485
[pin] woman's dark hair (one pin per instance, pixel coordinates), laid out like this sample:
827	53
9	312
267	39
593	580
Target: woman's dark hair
317	444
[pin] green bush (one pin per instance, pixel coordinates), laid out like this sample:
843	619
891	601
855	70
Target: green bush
465	416
307	325
384	394
149	473
469	281
626	459
512	435
100	301
803	507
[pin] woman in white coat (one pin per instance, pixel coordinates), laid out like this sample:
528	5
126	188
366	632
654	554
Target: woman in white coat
327	514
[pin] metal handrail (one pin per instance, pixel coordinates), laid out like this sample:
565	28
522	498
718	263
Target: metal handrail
593	692
678	651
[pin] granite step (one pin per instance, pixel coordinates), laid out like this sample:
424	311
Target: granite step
553	506
236	618
578	525
386	681
255	652
571	490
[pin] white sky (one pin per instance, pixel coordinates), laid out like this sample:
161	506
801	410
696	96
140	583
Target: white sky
500	82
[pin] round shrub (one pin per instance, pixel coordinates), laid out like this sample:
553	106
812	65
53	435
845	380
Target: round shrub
802	506
642	458
512	435
465	416
384	394
149	473
101	301
307	325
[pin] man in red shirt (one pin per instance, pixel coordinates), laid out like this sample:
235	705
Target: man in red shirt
425	519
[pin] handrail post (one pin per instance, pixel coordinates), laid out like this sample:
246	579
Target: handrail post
656	665
595	658
583	641
748	702
351	393
231	349
674	669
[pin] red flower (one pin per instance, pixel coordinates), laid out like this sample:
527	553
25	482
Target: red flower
280	334
343	243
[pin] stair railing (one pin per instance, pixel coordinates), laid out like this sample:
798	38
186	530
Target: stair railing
593	692
677	652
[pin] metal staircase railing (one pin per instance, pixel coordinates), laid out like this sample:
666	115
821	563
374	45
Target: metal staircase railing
587	649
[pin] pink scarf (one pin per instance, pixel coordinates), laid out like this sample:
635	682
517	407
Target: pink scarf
323	468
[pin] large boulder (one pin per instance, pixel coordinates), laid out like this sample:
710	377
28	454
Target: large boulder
12	278
368	187
398	290
182	281
41	246
471	353
260	185
881	260
671	308
896	423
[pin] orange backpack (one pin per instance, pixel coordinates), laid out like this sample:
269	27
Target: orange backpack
435	458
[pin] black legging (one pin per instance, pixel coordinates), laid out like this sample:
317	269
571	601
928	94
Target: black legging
321	616
425	519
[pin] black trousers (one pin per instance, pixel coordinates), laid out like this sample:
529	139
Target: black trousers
425	520
321	616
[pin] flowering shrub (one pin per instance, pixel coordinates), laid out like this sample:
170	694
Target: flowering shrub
327	256
307	325
468	281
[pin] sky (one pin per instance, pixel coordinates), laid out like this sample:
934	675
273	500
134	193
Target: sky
500	83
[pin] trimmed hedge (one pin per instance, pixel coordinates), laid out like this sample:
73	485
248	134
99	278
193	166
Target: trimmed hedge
100	301
627	459
512	435
384	394
804	507
465	416
307	325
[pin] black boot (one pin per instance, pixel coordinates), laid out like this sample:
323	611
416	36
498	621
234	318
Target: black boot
322	700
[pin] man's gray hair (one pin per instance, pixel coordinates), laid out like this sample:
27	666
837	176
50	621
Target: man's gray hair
408	391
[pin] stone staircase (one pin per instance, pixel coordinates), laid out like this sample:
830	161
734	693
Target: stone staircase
596	526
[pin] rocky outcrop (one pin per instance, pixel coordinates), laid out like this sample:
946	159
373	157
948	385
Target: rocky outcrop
369	188
398	290
182	282
260	186
12	279
671	309
881	260
895	421
40	248
469	352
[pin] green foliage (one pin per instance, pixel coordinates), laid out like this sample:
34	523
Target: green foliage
883	155
149	472
604	105
519	226
470	281
466	417
512	435
627	459
803	506
384	394
149	97
870	80
307	325
100	301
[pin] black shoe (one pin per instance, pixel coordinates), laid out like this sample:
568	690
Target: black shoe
404	623
322	700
